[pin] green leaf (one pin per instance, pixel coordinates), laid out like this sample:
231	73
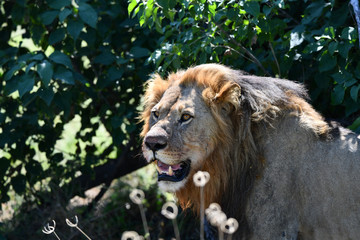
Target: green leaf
46	94
342	77
37	57
33	171
355	125
105	58
116	121
18	183
232	14
45	71
9	74
212	9
139	52
149	8
333	46
176	62
25	84
21	2
112	75
313	47
61	58
2	118
58	4
4	165
48	17
88	14
354	92
327	62
74	28
17	14
252	8
64	14
37	31
29	66
64	75
115	73
348	33
344	48
164	4
337	95
131	6
11	86
57	36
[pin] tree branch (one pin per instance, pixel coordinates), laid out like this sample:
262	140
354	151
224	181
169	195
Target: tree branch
129	160
251	56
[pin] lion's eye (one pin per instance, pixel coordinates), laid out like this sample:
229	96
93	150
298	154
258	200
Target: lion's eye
155	114
185	117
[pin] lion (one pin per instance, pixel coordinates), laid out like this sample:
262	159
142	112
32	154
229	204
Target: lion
275	164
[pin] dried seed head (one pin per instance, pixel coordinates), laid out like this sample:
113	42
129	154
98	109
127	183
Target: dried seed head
130	235
169	210
137	196
72	224
213	207
127	206
49	229
217	218
201	178
229	226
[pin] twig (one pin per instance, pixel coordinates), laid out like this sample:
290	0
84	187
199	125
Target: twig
276	61
252	57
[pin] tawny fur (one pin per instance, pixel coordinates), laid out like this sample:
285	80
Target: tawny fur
246	110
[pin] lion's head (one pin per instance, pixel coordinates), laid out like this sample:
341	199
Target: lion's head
208	118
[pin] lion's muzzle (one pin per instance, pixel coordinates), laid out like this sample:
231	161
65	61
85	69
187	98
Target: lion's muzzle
156	139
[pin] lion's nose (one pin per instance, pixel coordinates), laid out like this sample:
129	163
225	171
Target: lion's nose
156	143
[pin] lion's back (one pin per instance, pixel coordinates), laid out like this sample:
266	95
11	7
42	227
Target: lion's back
308	185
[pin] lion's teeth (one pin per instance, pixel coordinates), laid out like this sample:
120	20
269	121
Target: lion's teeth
157	168
170	171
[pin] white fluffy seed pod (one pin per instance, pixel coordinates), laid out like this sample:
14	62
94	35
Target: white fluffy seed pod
230	226
137	196
201	178
130	235
169	210
217	218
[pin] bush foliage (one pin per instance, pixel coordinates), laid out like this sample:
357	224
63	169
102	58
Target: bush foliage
314	42
71	74
65	62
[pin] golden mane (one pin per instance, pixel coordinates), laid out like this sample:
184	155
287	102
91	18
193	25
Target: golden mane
250	102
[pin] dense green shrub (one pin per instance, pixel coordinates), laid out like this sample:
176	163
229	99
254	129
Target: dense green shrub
77	62
314	42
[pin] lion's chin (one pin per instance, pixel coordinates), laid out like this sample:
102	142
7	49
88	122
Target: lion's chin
168	186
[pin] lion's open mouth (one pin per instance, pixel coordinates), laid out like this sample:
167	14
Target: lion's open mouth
173	173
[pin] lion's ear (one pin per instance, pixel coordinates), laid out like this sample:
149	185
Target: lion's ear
227	97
